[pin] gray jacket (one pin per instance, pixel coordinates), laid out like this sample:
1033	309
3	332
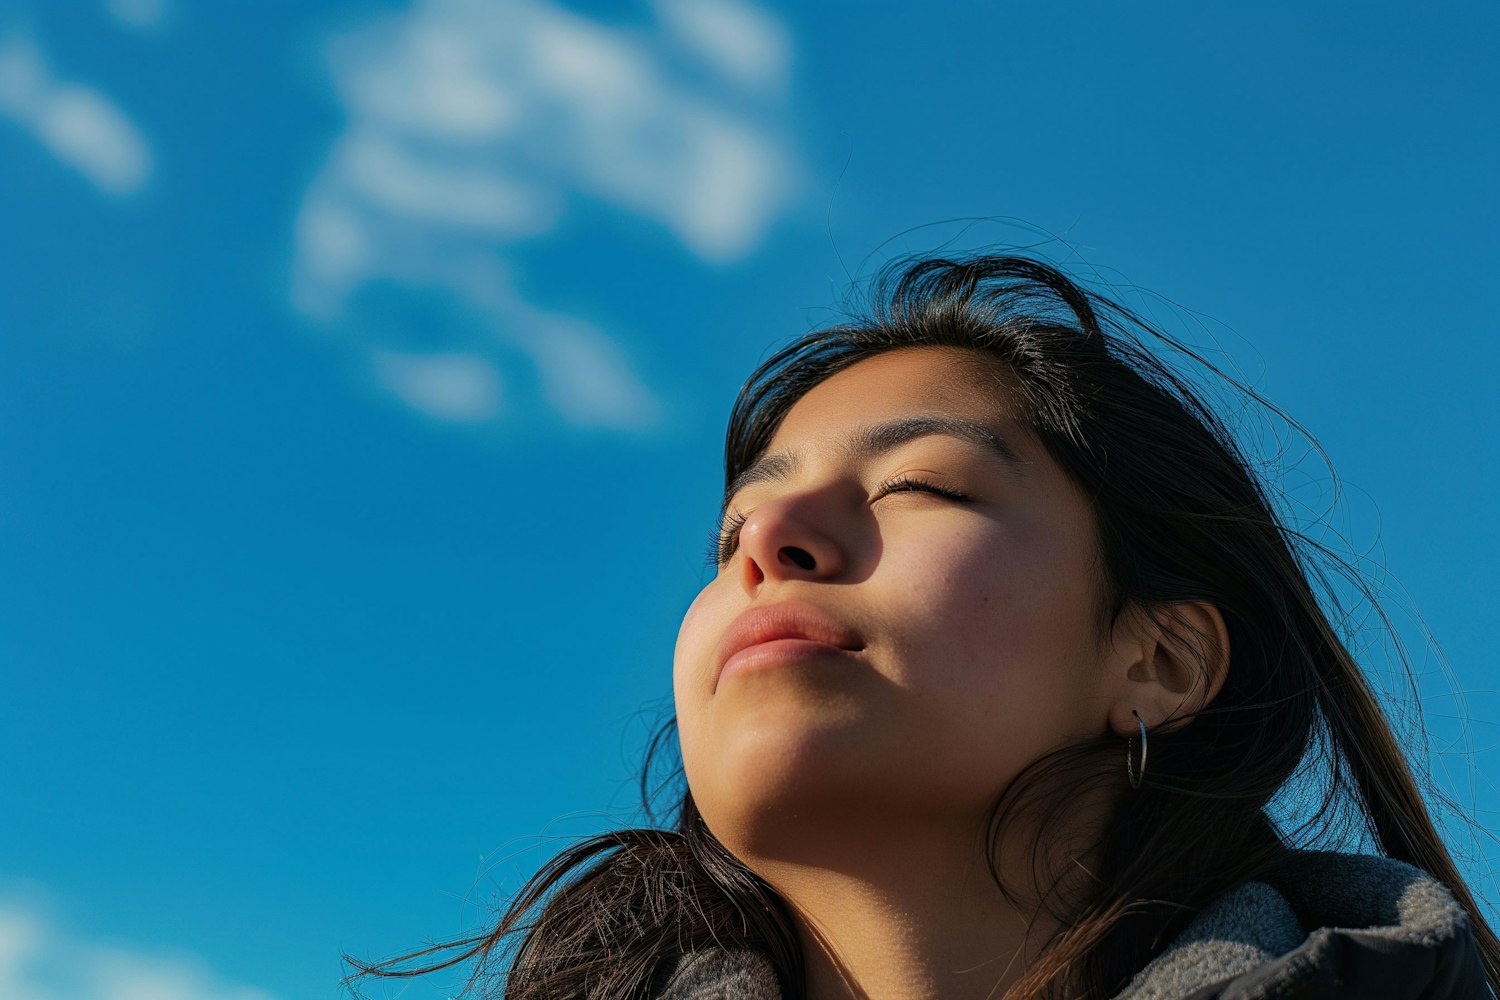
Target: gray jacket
1335	926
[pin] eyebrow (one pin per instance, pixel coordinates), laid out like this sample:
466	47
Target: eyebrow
877	439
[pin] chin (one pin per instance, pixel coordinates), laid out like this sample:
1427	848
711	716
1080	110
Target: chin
770	790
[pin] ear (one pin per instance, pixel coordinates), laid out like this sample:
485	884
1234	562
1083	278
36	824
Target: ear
1169	663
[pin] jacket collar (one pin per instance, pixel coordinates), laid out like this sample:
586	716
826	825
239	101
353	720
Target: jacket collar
1332	925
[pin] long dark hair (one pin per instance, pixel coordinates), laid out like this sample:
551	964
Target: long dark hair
1182	517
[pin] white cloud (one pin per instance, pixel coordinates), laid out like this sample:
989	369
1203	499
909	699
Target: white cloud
77	124
334	252
39	961
138	13
395	179
473	125
741	41
459	387
585	376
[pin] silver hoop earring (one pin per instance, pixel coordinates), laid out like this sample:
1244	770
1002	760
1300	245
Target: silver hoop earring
1133	772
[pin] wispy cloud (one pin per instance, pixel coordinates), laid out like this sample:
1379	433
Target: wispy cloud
737	39
79	125
40	961
460	387
475	125
138	14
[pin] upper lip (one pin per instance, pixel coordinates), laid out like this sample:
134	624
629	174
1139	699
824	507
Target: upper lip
787	620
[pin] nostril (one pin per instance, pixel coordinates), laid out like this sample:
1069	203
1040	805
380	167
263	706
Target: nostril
801	557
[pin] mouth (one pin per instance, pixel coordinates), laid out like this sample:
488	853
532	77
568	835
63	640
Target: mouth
778	633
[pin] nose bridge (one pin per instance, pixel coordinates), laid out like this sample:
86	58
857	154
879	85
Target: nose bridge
794	535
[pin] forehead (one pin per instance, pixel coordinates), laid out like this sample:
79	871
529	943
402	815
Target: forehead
920	380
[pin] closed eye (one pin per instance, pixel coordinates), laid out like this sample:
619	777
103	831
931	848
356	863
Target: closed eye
916	484
723	540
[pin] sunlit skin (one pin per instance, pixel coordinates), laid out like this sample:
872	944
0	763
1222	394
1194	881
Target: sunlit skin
857	781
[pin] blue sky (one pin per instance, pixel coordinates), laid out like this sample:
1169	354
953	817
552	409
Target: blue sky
363	369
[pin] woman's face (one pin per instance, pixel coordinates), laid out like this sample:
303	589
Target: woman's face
906	618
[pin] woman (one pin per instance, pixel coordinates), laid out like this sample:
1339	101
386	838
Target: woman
1005	662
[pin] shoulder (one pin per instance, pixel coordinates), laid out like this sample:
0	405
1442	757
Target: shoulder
1327	925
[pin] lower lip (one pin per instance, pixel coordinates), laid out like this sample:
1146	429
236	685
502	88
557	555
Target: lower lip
780	652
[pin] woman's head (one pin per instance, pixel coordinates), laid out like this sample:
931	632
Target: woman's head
1099	543
911	607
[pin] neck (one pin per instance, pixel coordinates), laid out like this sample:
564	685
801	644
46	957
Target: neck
917	916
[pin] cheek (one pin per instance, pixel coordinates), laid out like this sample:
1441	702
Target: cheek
1004	598
687	632
692	660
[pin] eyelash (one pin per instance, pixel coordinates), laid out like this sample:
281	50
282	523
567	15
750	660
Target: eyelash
723	542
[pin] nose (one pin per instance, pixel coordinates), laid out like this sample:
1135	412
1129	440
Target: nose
790	539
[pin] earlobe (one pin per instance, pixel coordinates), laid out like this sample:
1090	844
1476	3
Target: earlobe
1174	659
